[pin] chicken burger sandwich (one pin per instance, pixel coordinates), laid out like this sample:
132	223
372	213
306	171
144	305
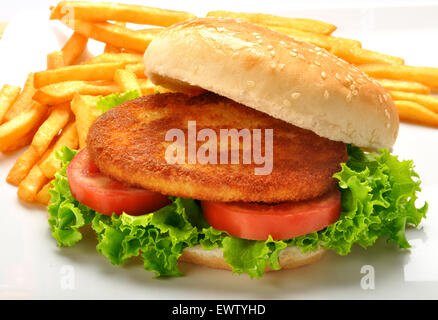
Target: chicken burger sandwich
266	152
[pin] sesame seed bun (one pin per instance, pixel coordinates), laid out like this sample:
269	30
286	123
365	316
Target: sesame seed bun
271	72
289	258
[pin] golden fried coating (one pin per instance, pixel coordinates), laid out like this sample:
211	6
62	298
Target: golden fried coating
128	144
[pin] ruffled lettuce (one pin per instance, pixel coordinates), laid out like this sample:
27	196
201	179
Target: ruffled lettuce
66	214
113	100
378	200
160	238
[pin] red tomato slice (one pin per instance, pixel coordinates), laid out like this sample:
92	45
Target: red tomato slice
282	221
105	195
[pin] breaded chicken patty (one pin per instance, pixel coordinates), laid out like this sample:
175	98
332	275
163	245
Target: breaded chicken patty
128	143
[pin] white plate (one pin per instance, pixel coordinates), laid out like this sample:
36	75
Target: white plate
31	266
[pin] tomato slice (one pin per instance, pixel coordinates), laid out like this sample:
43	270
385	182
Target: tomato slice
282	221
105	195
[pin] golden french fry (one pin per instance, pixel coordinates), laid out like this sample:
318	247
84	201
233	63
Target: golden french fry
125	58
138	69
22	166
19	126
69	138
428	101
33	182
73	48
50	128
65	91
8	95
363	56
88	72
308	25
320	40
147	87
24	100
124	50
84	108
20	143
92	11
115	35
29	187
405	86
126	80
416	113
111	49
425	75
55	60
43	196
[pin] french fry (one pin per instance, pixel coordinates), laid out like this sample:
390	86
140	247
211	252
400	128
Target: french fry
29	187
124	50
320	40
22	166
73	48
125	58
8	95
127	80
147	87
33	182
92	11
416	113
24	100
308	25
84	108
138	69
69	138
111	49
19	126
115	35
69	54
359	56
405	86
65	91
88	72
20	143
55	60
425	75
50	128
428	101
43	196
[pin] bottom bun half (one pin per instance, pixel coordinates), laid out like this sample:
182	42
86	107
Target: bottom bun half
289	258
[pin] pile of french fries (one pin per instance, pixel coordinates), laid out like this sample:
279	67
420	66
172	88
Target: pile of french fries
56	107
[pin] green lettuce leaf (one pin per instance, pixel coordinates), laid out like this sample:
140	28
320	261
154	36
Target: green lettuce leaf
116	99
251	256
244	256
159	237
378	200
66	214
212	238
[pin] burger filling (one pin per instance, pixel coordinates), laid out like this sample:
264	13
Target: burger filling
374	197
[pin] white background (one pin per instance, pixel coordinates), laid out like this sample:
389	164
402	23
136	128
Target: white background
9	8
31	266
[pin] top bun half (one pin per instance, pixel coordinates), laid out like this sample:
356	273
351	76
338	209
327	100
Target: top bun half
271	72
